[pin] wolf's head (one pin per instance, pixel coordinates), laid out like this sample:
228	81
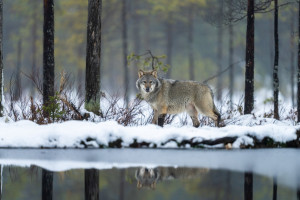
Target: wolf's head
147	81
146	177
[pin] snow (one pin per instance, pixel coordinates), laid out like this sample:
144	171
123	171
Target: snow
79	134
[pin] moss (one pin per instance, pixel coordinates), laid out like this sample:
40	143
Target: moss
93	106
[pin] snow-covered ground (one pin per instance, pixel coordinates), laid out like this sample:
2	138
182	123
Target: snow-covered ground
80	134
103	132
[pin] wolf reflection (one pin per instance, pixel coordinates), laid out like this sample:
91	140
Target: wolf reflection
149	177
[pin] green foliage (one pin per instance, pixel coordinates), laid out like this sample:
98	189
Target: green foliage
148	60
268	100
53	108
93	106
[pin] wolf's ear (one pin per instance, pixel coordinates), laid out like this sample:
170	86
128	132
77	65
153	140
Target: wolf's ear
154	73
141	73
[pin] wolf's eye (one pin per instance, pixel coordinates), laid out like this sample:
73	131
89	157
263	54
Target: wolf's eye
151	82
144	81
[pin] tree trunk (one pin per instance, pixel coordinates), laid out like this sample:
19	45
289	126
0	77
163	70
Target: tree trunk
34	39
275	69
17	90
124	45
231	72
249	73
190	43
91	184
147	28
1	59
48	55
47	184
220	53
248	186
136	39
298	73
169	39
93	53
292	59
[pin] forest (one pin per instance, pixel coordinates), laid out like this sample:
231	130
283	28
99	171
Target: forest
197	39
78	61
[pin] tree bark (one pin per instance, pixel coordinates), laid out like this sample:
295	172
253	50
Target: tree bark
125	53
298	73
93	57
48	55
1	59
17	90
47	184
249	73
91	184
190	43
169	39
220	53
136	39
248	186
231	70
275	69
292	59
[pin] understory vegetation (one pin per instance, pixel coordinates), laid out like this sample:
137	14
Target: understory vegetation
68	104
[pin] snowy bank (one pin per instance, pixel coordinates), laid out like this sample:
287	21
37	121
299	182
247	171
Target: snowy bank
84	134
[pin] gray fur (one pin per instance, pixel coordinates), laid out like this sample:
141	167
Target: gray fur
167	96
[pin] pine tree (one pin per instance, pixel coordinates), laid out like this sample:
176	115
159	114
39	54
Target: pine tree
48	55
93	53
275	68
249	74
125	51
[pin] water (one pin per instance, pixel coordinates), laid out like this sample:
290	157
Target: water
148	174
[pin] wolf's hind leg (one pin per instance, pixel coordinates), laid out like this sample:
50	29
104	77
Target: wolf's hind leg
208	109
193	113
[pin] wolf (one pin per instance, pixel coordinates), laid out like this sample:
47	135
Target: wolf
149	177
167	96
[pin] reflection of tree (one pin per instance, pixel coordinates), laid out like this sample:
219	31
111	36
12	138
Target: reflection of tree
248	186
122	182
91	184
47	184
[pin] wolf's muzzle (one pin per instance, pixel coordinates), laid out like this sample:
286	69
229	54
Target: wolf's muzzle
147	89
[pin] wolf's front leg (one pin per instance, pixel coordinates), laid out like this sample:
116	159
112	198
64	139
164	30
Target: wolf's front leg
161	120
155	117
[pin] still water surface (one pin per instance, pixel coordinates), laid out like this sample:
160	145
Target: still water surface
149	174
